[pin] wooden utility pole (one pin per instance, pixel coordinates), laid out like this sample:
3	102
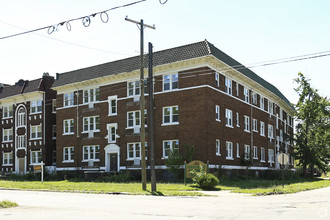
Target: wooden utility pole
142	103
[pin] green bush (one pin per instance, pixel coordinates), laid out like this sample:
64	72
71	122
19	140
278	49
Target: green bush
117	178
204	180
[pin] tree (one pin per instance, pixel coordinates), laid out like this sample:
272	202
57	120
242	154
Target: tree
313	127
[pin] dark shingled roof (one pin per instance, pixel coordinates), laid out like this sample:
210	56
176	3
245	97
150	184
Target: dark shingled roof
22	86
186	52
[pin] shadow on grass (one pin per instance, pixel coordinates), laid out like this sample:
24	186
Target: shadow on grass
156	193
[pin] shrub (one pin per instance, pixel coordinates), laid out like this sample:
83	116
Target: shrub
118	178
204	180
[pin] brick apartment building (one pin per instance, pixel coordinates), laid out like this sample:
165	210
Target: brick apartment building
203	98
27	125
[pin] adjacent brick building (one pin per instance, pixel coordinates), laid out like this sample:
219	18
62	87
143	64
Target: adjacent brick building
27	125
203	98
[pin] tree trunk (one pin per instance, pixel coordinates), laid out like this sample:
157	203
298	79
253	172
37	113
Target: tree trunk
311	175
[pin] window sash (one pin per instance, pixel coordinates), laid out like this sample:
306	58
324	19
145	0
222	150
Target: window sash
170	82
7	112
228	86
35	157
68	126
169	146
36	132
171	115
217	113
217	147
91	153
91	95
7	158
68	99
246	152
7	135
68	154
229	118
229	150
36	106
91	123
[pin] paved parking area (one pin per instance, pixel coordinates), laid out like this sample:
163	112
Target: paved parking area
314	204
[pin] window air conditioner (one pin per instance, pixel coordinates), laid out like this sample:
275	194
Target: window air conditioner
90	134
136	130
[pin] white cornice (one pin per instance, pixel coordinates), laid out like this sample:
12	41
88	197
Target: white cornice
22	98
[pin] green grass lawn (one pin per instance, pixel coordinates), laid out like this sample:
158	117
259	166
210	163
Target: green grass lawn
250	186
7	204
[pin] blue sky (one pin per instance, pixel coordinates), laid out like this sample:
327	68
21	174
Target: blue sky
249	31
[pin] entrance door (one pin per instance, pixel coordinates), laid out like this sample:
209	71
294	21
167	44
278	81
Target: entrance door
113	162
21	165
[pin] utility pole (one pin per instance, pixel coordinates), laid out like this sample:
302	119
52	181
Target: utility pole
142	103
151	144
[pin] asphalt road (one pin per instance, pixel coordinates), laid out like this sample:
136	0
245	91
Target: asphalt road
314	204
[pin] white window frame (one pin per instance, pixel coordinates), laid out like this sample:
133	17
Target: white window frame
217	147
69	152
112	132
172	80
270	107
217	79
7	135
229	150
254	98
262	103
68	99
21	117
92	123
7	112
136	119
270	131
237	89
281	135
136	152
255	152
36	107
68	126
133	88
217	113
93	153
237	119
246	152
91	95
7	159
246	95
255	125
21	141
262	155
172	144
237	150
112	101
171	118
271	156
35	132
35	157
246	123
228	86
229	118
262	128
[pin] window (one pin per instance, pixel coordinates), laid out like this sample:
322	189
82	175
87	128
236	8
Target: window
262	128
36	106
170	82
54	132
270	107
237	89
68	99
112	132
68	126
134	150
217	79
270	156
7	112
281	135
68	154
237	150
254	98
270	131
255	125
133	119
228	86
246	123
276	121
35	132
229	118
91	153
237	119
217	113
246	95
91	123
21	117
91	95
255	152
7	159
281	114
53	105
7	135
171	115
229	150
246	152
285	127
169	146
112	100
35	157
262	155
21	141
217	147
262	103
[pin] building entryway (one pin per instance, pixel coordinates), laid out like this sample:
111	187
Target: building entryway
21	165
112	161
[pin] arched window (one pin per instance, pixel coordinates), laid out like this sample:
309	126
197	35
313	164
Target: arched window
21	117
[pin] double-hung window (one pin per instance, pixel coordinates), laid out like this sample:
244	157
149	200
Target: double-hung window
7	159
21	118
91	95
255	152
262	128
112	132
229	118
133	119
255	125
91	153
262	155
68	154
171	115
262	103
246	95
68	99
237	119
254	98
237	150
91	123
270	156
35	132
217	79
169	146
270	107
217	147
271	131
7	135
170	82
281	135
35	157
228	86
112	101
134	150
7	112
21	141
237	89
68	127
246	123
229	150
36	106
217	113
246	152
